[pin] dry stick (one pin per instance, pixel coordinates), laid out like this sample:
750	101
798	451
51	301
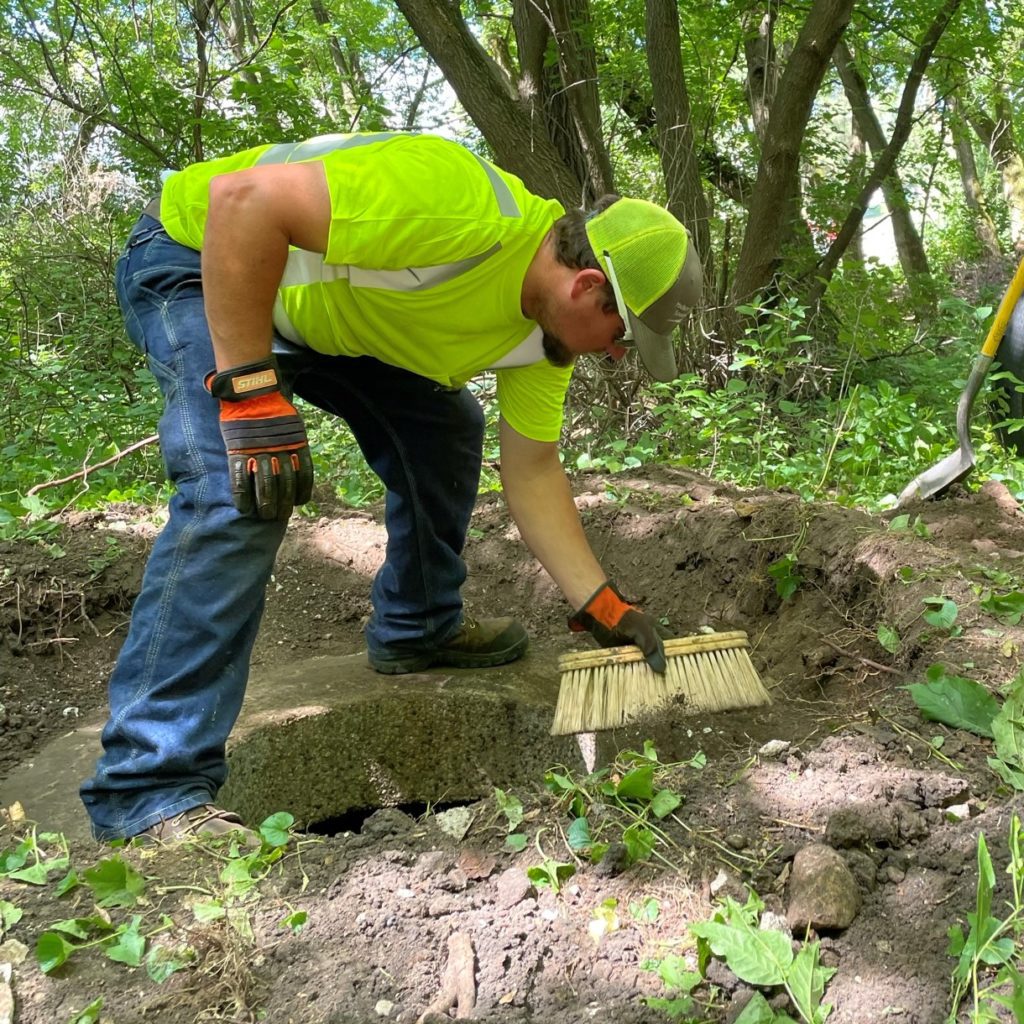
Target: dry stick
83	473
458	986
863	661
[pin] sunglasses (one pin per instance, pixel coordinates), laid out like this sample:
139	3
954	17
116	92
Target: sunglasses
620	303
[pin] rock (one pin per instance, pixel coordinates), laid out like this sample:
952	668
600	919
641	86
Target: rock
384	1007
736	840
614	861
862	867
958	812
822	891
862	823
512	887
774	748
388	821
772	922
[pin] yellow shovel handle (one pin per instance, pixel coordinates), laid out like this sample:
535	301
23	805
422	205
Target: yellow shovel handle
998	328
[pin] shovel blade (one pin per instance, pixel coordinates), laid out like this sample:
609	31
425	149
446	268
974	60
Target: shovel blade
953	469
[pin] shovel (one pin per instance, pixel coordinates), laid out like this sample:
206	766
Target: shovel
956	467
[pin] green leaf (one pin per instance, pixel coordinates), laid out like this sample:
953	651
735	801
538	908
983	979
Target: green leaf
52	950
754	956
128	945
953	700
1008	726
1013	777
665	802
676	974
516	842
67	883
1007	608
295	921
39	872
161	962
639	842
114	883
511	806
10	915
578	836
888	638
275	829
674	1008
90	1015
899	523
941	612
806	982
757	1011
645	912
206	912
637	784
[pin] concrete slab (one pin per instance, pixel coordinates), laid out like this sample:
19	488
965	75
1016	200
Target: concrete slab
328	735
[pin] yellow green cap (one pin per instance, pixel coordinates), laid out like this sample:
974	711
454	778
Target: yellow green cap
657	270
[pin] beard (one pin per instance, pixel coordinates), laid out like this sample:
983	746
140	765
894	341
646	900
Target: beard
555	352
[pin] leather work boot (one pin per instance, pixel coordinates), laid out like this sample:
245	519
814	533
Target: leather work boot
202	822
479	643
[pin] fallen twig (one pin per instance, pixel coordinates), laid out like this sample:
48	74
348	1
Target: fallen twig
86	470
458	985
863	661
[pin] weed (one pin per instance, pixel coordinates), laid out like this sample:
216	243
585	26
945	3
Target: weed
989	956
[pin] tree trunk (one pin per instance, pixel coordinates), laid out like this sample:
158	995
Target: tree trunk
974	195
998	135
674	133
519	141
762	65
909	246
886	160
858	154
773	205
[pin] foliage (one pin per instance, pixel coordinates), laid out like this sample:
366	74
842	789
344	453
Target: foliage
990	956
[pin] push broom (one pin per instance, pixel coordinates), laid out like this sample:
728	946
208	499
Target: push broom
605	689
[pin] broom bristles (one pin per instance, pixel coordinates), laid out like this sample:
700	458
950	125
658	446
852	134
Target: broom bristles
608	689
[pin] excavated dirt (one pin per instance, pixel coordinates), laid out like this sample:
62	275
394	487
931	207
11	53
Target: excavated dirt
398	906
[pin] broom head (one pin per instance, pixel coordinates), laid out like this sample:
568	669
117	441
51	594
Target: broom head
608	688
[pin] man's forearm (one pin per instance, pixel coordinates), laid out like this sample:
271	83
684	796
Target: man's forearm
541	503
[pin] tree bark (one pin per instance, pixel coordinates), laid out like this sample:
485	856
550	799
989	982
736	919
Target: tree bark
909	246
773	206
762	65
674	133
519	141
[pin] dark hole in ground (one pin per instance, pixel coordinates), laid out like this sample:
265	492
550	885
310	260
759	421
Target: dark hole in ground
353	820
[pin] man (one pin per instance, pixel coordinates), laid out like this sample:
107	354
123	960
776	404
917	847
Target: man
371	275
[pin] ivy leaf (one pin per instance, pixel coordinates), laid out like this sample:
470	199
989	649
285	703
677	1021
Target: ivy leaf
91	1013
52	950
114	883
888	638
665	802
578	836
941	612
639	842
637	784
953	700
129	944
1008	727
516	842
275	829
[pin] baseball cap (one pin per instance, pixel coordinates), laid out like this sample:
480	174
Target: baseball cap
647	256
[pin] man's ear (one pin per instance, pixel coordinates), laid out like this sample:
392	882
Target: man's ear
586	280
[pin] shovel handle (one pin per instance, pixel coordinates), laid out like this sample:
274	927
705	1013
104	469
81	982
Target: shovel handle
1010	299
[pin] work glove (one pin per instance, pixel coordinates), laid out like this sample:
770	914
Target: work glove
269	463
612	621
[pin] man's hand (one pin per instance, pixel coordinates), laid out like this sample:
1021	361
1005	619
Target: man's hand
268	453
612	621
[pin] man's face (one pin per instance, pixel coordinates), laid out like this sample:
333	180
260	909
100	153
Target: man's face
582	321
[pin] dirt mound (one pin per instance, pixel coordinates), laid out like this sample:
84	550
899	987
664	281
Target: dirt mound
384	918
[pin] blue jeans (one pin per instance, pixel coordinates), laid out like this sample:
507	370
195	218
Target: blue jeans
178	684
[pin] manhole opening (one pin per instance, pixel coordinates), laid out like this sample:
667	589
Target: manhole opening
354	819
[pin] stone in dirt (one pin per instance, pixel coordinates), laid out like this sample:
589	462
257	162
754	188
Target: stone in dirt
822	892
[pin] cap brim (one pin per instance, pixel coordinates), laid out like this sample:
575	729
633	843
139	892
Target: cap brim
657	352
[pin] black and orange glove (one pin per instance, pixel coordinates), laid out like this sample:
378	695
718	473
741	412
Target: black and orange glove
611	620
269	463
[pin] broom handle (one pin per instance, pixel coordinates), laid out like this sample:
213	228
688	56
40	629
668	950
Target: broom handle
624	655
